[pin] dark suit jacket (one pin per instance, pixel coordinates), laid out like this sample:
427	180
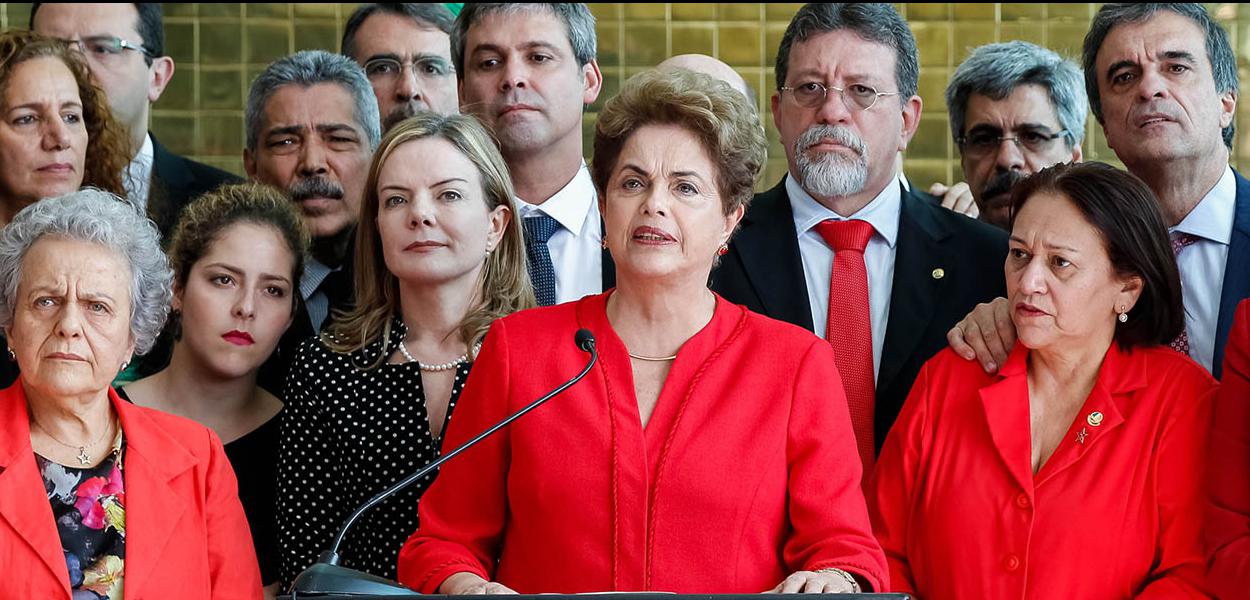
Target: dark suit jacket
1236	271
764	271
176	181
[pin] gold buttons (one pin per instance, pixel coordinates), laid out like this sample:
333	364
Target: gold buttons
1094	419
939	273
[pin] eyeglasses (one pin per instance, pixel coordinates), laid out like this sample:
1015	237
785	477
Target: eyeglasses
106	48
856	96
982	143
386	68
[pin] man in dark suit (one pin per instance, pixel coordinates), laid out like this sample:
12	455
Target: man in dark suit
125	48
1162	82
846	105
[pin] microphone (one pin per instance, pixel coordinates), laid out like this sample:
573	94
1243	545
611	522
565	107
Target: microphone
326	577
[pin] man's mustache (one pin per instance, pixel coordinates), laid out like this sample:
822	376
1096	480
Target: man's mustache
315	187
1002	183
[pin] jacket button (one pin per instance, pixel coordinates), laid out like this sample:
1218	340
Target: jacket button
1011	562
1023	501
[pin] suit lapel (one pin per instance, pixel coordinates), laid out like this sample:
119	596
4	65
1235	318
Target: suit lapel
23	503
916	291
1006	406
152	462
1236	271
769	250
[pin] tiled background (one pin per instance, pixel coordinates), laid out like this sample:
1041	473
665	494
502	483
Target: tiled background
218	48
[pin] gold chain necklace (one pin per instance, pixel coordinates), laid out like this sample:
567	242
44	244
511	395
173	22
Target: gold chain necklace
651	358
83	457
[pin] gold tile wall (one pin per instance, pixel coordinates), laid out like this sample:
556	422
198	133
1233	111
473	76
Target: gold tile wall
219	48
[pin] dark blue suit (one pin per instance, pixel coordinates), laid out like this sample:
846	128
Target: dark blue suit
1236	270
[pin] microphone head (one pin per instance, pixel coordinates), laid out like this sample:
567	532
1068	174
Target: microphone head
584	340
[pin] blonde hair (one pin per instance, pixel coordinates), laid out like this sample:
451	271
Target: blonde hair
504	285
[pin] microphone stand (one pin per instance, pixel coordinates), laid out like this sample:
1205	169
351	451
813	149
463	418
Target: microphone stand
327	577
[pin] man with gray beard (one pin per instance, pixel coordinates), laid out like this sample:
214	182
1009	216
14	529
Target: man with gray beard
839	247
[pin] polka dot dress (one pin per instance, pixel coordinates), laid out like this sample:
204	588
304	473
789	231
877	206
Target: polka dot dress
347	434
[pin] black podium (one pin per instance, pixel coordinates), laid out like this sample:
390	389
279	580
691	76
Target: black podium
605	596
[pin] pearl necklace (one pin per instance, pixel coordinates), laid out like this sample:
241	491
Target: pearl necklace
447	366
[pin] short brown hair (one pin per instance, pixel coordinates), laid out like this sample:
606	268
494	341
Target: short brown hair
108	147
1126	214
720	116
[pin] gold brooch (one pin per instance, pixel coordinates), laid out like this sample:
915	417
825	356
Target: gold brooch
1094	419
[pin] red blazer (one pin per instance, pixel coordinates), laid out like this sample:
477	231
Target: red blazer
746	472
186	535
961	514
1228	483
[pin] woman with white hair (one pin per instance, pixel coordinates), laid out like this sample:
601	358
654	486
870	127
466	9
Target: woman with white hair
96	489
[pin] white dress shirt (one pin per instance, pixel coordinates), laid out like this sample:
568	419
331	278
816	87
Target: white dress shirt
137	178
1202	265
883	214
576	248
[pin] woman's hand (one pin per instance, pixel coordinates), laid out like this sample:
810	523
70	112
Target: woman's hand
467	583
825	581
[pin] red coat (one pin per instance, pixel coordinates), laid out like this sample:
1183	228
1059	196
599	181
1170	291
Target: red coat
746	472
1228	483
960	513
186	536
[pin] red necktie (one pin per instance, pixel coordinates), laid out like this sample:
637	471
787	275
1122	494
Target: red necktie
1179	242
849	326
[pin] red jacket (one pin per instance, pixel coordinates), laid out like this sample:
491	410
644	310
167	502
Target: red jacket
1228	483
746	472
1115	512
186	536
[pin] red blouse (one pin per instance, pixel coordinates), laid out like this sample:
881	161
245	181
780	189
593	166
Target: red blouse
1115	512
746	472
1228	483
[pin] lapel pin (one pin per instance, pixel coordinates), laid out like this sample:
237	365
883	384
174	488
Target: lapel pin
1094	419
1080	437
939	273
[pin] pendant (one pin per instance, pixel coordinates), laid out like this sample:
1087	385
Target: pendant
83	457
1080	437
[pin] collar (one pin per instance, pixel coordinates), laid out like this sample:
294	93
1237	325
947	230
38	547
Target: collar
139	172
1212	218
570	206
314	274
882	212
1118	374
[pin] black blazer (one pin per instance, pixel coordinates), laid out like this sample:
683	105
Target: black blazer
764	271
176	181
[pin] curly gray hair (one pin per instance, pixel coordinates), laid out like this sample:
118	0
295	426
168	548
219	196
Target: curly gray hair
98	217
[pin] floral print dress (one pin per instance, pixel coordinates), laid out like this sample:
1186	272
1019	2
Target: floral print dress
89	506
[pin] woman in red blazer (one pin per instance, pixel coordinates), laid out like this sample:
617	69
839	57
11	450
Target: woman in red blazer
709	451
98	497
1228	476
1076	471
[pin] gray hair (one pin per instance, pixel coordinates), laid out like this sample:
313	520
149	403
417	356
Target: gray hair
995	70
97	217
878	23
309	68
579	24
1219	51
424	14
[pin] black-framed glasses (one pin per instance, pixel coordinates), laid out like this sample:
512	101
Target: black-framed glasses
983	142
106	47
856	96
390	68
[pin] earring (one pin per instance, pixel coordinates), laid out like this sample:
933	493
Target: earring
488	253
12	355
1123	317
605	243
125	363
723	250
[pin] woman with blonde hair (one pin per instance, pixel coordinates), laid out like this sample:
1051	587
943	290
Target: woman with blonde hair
439	256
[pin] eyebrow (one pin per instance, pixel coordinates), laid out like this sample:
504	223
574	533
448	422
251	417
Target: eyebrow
1021	126
498	49
38	105
324	128
397	186
237	271
1184	55
1048	246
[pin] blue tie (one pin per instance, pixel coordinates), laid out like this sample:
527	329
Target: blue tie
538	229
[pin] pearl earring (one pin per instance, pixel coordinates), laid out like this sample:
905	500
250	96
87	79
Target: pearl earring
1123	317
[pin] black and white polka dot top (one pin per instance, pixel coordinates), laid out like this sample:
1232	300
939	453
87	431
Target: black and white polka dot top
347	434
